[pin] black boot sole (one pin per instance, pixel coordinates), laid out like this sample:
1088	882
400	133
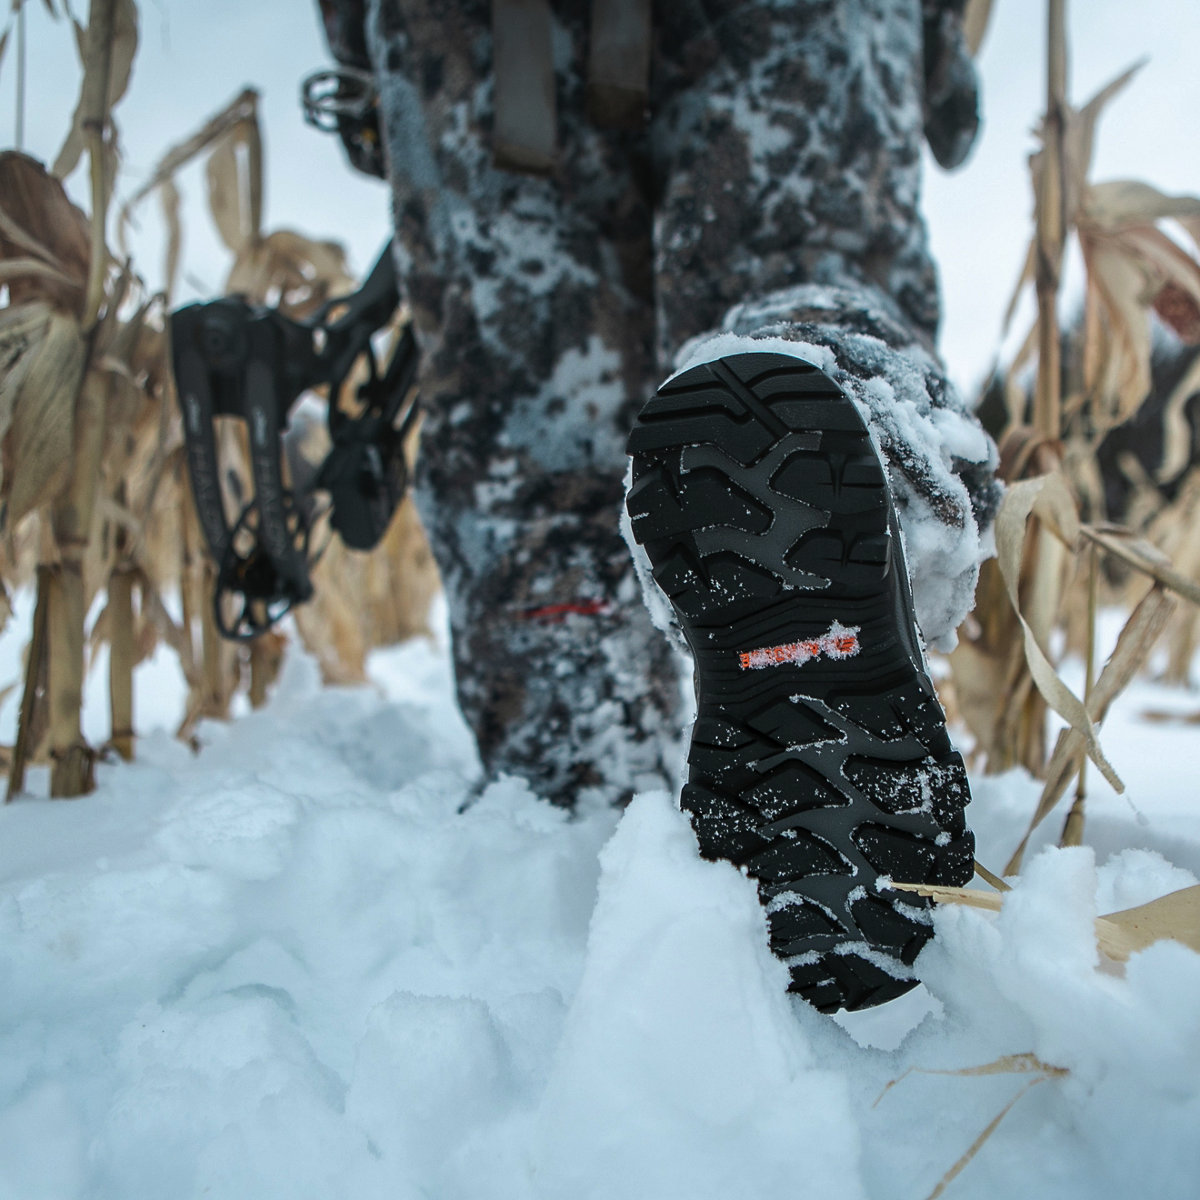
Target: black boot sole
819	759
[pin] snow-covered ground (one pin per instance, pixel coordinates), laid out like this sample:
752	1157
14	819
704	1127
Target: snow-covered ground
289	966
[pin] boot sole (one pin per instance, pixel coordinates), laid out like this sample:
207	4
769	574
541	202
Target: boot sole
819	759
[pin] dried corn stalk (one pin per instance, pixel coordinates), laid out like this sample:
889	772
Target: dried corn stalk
976	16
45	259
1003	674
71	386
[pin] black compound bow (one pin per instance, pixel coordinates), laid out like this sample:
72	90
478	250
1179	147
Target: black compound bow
235	359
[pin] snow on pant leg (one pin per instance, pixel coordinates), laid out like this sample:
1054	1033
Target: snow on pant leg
533	304
787	146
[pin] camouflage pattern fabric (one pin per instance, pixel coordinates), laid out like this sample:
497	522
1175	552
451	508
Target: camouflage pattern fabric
782	153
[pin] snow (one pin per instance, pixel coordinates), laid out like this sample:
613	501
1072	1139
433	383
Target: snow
299	963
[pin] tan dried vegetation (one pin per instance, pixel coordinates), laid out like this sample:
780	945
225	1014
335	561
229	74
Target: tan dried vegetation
94	503
1058	558
1057	554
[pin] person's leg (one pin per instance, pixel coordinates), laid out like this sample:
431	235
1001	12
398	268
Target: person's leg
787	141
795	286
532	300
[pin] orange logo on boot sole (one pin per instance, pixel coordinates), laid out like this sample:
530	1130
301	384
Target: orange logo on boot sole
839	642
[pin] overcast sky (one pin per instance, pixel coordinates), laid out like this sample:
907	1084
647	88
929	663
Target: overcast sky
195	55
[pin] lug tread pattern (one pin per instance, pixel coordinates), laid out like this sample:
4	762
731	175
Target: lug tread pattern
765	512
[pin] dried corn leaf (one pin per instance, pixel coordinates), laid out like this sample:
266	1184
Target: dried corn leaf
1133	647
124	335
37	220
124	47
1174	917
1026	1063
979	677
119	515
1008	1064
254	174
109	328
975	23
19	240
101	632
21	326
1016	508
297	272
28	269
977	1145
1172	278
1191	226
1078	137
1122	203
991	877
1081	127
1028	270
242	107
1162	259
169	197
18	342
1177	433
1122	289
1055	506
228	194
1142	555
145	641
943	894
112	365
37	447
1015	399
1159	716
145	637
154	612
1087	479
4	43
224	192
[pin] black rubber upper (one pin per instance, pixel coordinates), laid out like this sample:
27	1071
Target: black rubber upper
765	512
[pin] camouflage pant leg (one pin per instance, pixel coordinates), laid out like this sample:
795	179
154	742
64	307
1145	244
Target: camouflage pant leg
533	301
787	137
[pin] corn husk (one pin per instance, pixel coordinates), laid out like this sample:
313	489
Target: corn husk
39	410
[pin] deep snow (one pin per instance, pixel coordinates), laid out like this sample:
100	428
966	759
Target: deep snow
290	967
